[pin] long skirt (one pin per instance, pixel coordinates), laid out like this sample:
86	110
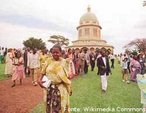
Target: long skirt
71	70
77	65
9	68
57	100
53	100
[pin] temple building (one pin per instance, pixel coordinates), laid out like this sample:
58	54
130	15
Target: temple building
89	33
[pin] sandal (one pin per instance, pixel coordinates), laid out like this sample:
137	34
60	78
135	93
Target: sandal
35	83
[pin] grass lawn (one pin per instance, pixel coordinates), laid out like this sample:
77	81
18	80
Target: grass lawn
88	98
2	68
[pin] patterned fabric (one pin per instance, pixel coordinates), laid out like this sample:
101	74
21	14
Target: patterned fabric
71	69
53	100
58	74
71	66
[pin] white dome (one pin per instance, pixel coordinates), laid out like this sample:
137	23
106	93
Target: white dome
89	17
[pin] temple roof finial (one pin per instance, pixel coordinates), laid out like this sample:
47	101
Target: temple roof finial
89	8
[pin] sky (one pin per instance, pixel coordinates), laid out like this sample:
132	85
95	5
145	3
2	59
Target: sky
121	20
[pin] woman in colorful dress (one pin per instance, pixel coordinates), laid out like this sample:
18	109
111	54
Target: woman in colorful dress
135	68
18	73
57	96
71	64
76	62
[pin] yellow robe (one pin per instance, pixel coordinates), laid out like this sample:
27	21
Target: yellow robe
43	59
56	71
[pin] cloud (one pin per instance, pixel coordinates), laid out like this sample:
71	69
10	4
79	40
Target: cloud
31	22
141	25
121	20
13	35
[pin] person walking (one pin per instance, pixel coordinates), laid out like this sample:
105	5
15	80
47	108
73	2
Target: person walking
9	63
104	69
25	57
92	60
112	58
57	93
125	70
34	65
135	68
18	73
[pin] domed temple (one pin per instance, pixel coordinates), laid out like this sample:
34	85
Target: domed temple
89	33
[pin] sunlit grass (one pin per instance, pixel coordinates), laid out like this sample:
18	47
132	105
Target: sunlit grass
88	98
2	68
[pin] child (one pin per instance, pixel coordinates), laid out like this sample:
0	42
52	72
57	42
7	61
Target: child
125	70
18	73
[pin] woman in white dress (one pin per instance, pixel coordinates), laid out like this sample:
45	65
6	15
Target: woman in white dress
9	63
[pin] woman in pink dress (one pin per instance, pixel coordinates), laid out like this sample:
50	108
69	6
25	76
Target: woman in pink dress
18	69
135	68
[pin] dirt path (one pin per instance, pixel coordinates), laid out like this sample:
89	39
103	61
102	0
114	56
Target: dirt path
19	99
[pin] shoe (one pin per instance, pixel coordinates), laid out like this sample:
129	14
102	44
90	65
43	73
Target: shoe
128	82
104	91
35	83
13	85
123	80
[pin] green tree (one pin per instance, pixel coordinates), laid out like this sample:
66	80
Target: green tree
34	43
58	39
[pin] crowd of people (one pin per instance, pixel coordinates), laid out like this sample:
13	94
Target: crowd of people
132	64
61	66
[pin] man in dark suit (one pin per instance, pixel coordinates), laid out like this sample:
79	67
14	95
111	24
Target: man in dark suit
25	57
92	60
104	69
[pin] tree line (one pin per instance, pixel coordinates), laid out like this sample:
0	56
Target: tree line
39	44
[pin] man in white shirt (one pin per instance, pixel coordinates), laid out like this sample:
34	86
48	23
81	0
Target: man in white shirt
34	65
112	58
